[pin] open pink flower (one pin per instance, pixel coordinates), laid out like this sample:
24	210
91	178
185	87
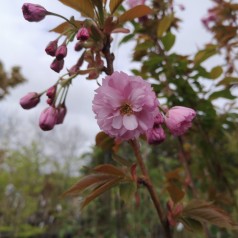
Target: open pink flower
179	119
125	106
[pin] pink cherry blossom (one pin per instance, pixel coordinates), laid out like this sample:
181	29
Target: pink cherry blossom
125	106
179	119
33	12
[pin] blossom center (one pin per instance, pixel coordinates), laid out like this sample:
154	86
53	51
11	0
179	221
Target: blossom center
126	109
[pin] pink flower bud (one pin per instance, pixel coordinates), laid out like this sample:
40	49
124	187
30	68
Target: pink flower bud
33	12
48	119
179	119
83	34
78	46
51	91
57	65
159	119
51	48
73	70
61	52
30	100
155	135
62	110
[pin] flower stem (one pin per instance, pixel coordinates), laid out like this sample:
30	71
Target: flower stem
150	187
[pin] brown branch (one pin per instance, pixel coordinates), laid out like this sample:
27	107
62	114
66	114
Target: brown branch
108	56
148	183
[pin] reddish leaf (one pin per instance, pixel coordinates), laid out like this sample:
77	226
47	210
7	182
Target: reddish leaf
175	193
109	169
84	6
104	141
203	211
114	4
138	11
98	191
63	27
86	182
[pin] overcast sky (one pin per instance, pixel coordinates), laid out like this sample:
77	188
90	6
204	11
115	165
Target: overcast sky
22	43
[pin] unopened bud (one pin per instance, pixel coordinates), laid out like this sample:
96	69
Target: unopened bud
61	52
30	100
48	118
51	48
57	65
83	34
33	12
62	110
51	92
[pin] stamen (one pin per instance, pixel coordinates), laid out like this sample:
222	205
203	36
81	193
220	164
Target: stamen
125	109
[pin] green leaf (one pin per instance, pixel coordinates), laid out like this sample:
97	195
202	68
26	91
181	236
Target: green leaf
127	191
168	41
138	11
175	193
228	81
164	25
224	93
84	6
216	72
114	4
203	211
203	55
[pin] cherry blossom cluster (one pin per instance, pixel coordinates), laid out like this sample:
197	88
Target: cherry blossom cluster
125	106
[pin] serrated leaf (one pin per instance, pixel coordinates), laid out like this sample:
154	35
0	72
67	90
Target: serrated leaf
114	4
63	27
127	191
216	72
138	11
84	6
168	41
100	190
86	182
109	169
224	93
164	25
191	224
203	211
175	193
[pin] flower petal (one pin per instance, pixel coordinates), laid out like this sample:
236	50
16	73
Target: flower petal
130	122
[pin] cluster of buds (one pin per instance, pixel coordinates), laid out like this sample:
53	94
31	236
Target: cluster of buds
51	116
178	120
